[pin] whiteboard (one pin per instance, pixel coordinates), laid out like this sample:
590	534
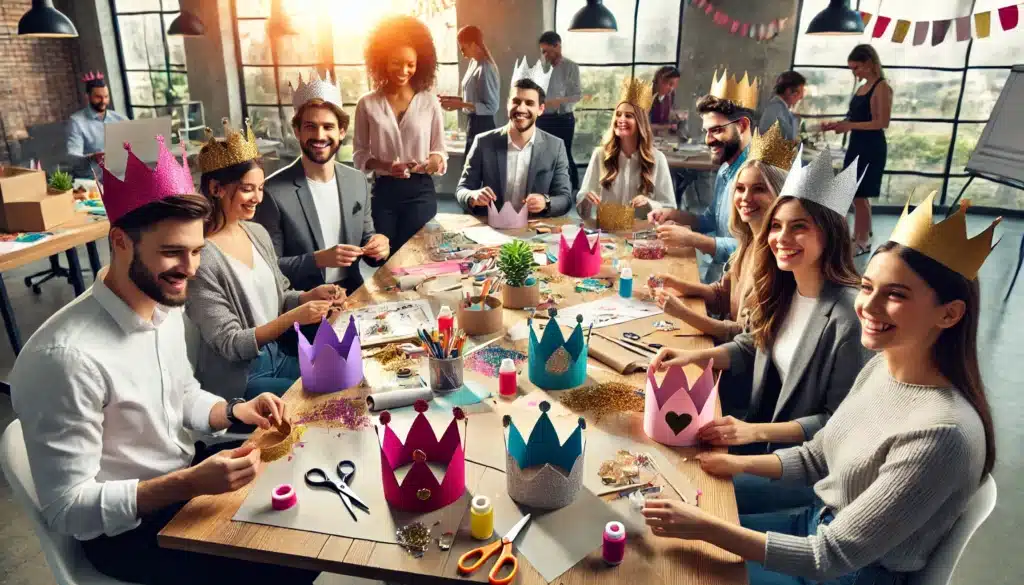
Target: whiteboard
141	134
1000	150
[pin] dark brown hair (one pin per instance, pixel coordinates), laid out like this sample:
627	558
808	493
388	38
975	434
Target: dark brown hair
226	176
645	146
788	80
471	34
399	31
727	108
663	73
867	54
550	38
774	288
526	83
339	113
955	352
176	207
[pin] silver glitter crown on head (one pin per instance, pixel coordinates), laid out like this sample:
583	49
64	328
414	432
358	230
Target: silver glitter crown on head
316	88
817	182
535	74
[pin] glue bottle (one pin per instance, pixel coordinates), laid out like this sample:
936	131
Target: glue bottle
445	321
626	283
614	543
507	379
481	518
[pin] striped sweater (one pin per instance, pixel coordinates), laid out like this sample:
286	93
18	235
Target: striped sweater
896	463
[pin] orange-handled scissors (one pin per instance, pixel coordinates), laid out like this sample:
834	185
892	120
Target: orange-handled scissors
488	550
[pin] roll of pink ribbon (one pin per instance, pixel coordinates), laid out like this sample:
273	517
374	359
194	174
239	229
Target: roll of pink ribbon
283	497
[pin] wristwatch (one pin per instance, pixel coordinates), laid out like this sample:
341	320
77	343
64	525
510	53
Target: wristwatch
547	203
231	410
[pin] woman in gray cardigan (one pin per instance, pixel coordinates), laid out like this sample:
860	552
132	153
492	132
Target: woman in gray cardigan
239	300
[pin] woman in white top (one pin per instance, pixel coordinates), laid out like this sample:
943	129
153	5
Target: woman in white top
239	300
481	92
627	169
399	128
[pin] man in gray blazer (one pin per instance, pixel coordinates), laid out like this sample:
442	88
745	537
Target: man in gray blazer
518	162
317	211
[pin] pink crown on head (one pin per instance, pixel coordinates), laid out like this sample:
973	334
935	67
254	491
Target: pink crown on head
420	491
330	364
92	76
508	218
582	259
676	410
142	185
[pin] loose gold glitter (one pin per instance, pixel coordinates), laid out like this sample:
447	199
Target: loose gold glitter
613	217
603	399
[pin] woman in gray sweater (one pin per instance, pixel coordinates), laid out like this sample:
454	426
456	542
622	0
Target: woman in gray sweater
898	461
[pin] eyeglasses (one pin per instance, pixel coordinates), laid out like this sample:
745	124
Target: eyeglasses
718	130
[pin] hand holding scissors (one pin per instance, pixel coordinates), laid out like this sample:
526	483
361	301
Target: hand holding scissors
316	477
489	550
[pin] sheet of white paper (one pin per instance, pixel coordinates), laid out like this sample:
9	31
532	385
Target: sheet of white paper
485	235
540	258
610	310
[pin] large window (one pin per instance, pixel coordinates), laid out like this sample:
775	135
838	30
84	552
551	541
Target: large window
154	63
647	38
943	95
334	42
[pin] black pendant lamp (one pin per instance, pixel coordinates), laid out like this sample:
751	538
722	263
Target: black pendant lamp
836	19
594	17
43	20
186	25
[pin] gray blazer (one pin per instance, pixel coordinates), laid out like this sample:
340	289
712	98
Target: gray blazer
289	215
486	165
218	306
827	361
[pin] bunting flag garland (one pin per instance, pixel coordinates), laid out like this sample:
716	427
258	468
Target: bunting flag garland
921	32
983	24
764	31
1009	16
963	28
881	23
1009	19
939	30
902	28
865	17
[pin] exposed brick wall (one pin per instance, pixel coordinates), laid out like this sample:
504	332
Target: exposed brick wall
38	77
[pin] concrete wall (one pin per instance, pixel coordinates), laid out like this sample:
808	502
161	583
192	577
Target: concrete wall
96	43
212	63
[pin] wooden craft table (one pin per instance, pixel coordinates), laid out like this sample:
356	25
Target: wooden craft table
204	525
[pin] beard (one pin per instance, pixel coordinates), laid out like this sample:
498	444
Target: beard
149	283
522	124
98	107
729	149
332	149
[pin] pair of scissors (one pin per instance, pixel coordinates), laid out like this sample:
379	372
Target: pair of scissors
506	558
635	337
317	478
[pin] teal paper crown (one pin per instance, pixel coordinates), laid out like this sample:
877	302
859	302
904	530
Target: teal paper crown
554	363
544	473
544	446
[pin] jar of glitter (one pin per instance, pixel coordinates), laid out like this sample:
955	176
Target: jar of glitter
648	249
614	543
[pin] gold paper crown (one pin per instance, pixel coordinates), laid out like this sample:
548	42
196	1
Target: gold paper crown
771	148
638	92
743	93
945	242
233	149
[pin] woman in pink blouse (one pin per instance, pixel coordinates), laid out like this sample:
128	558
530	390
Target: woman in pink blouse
399	128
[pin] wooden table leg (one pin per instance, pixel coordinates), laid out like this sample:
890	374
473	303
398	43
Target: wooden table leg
75	271
8	313
94	258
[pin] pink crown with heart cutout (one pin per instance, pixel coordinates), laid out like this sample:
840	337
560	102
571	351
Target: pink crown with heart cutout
330	364
420	492
675	410
143	185
581	259
508	218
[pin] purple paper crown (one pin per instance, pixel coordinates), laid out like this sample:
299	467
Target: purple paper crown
330	365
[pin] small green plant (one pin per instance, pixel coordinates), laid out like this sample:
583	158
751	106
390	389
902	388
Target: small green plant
61	181
516	262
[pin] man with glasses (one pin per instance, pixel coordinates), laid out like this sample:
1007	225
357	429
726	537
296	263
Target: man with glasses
727	134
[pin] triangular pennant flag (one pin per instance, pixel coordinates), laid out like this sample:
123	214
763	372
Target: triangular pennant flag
920	32
963	29
901	30
881	23
939	30
735	26
1008	17
983	24
745	29
708	8
865	17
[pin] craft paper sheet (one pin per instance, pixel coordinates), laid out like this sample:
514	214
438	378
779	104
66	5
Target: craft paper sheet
610	310
386	322
485	235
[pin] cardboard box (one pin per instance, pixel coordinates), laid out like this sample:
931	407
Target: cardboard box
20	184
40	215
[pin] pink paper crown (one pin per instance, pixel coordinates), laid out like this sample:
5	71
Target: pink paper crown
420	492
142	185
508	218
580	260
92	76
329	364
675	411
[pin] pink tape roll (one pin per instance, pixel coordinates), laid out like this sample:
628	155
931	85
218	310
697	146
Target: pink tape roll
283	497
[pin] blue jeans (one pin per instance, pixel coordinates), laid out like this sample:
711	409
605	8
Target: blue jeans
804	522
272	371
758	495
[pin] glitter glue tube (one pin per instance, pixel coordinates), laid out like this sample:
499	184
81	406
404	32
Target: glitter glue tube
481	518
626	283
507	380
283	497
614	548
445	321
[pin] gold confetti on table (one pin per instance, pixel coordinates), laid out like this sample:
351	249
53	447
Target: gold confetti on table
613	217
607	398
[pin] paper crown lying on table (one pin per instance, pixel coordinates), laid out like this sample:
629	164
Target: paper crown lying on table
420	491
329	364
553	362
508	218
676	410
543	473
581	259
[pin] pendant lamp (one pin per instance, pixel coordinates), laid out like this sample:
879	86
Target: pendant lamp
43	20
836	19
594	17
186	25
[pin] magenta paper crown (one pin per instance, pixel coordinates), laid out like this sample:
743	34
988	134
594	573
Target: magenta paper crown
92	76
675	411
330	365
420	492
508	218
142	185
581	260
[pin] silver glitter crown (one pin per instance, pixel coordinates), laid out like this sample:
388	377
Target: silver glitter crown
535	74
316	88
817	182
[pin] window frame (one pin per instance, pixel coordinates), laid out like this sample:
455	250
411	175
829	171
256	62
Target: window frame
168	68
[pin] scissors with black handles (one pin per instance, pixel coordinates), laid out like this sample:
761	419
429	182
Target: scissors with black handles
317	478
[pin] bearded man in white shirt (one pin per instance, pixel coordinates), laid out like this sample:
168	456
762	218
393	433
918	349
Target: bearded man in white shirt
106	396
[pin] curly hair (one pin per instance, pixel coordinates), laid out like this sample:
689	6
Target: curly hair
645	146
399	31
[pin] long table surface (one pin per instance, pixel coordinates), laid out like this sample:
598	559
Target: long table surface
204	525
81	229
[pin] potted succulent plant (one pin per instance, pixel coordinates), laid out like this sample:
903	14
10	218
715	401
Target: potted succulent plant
60	182
521	289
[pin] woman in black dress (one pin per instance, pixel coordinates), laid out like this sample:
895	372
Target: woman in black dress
866	121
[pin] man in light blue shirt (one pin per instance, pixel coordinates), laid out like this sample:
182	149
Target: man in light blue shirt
727	133
85	128
789	90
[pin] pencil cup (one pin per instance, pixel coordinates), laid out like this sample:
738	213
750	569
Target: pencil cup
484	319
445	374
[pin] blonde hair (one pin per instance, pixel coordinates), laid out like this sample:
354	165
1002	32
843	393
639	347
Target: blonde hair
774	177
645	146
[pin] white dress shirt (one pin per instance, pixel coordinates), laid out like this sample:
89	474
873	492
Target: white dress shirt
327	200
380	135
626	185
105	400
258	283
517	170
564	83
790	332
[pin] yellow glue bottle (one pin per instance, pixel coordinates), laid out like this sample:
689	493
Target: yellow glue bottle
481	518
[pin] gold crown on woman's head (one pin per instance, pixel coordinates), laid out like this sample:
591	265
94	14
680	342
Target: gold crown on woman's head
743	93
638	92
233	149
771	148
